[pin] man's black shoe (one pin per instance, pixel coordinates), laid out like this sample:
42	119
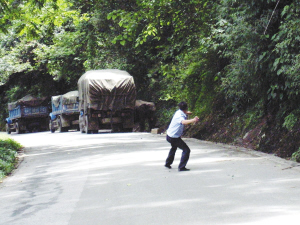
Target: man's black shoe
184	169
168	166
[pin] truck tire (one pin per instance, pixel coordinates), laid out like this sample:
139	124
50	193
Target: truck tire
51	127
81	124
127	130
60	127
82	129
87	125
18	130
7	129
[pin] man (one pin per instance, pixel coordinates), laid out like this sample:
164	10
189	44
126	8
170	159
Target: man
174	133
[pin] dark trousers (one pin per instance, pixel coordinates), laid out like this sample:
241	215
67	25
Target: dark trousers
178	143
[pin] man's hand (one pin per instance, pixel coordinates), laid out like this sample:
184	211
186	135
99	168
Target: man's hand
196	119
186	122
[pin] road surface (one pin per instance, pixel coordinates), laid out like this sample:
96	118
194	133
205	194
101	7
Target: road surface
119	179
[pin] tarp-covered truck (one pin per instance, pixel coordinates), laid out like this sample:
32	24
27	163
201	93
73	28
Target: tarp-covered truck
28	114
64	115
106	101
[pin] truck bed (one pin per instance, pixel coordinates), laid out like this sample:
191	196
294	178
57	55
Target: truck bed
65	109
28	112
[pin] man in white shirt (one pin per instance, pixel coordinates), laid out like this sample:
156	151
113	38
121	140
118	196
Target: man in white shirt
174	133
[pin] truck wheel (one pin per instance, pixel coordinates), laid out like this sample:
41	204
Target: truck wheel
126	130
81	129
7	129
18	130
51	127
115	128
60	127
81	124
87	125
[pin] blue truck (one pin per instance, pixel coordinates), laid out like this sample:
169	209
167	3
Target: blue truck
65	112
28	114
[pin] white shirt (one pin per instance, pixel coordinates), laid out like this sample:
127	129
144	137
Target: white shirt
175	129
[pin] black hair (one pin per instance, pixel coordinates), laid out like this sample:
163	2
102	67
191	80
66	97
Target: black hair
183	106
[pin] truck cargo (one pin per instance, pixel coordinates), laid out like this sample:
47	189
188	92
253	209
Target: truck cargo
106	101
28	114
65	113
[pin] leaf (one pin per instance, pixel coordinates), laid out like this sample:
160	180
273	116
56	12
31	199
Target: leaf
123	42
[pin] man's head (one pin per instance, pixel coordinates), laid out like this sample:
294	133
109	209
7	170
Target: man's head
183	106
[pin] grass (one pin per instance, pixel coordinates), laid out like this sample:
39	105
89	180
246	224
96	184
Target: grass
3	136
8	155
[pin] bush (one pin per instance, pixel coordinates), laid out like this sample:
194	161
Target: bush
290	121
296	156
8	155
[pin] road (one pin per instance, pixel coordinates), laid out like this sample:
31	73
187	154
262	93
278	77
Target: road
119	179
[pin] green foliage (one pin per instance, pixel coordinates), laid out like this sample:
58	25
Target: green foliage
63	57
139	36
290	121
10	144
296	156
31	17
166	111
13	59
159	34
191	77
287	48
8	153
252	117
239	34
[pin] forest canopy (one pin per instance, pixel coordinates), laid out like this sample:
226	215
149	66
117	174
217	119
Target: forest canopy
224	57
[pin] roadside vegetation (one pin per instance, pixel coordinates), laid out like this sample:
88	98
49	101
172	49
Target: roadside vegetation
236	62
8	155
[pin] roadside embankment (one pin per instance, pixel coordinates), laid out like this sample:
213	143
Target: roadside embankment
9	155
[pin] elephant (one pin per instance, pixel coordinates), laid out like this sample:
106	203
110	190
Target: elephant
145	111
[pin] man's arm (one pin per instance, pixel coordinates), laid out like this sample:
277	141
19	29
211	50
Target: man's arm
186	122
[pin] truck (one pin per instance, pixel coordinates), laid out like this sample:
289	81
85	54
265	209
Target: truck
64	115
106	101
28	114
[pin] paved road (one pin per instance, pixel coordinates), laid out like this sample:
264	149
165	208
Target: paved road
117	179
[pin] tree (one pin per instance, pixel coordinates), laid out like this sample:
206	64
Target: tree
249	77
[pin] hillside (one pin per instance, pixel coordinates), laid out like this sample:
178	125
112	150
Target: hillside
261	135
